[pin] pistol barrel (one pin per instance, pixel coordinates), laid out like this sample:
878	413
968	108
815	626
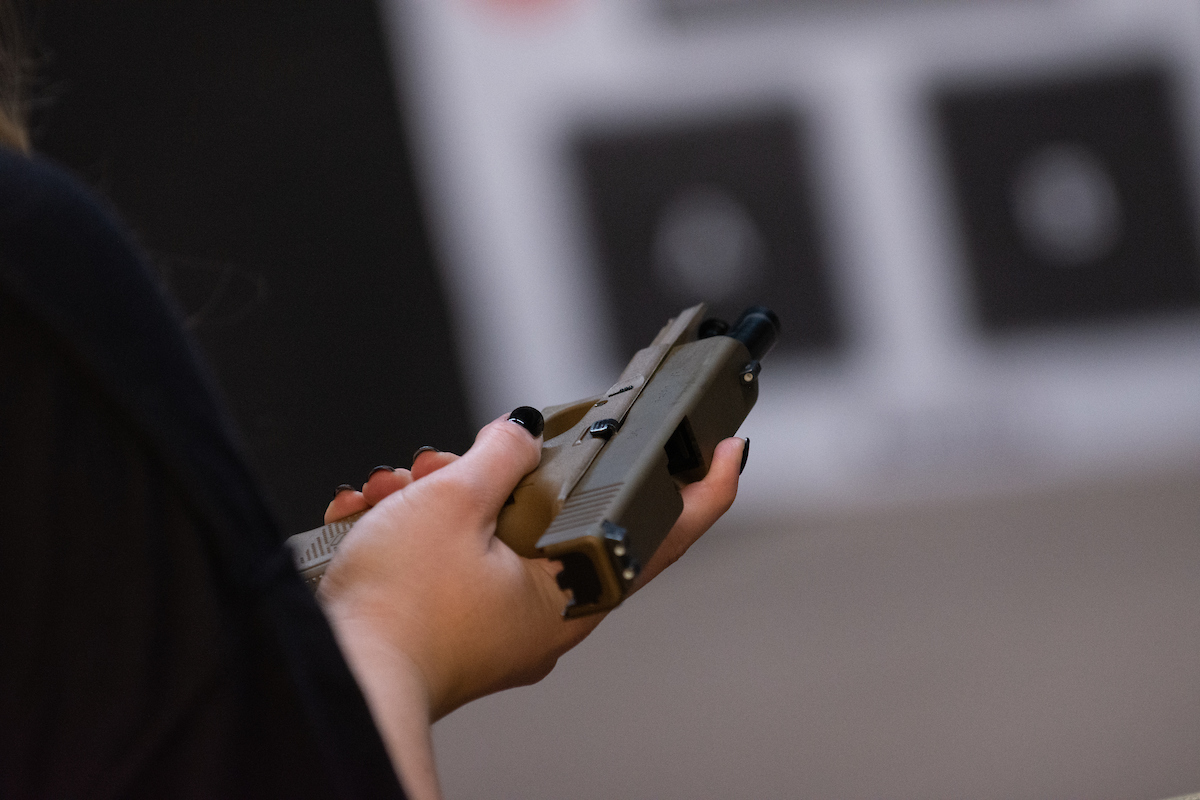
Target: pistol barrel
757	328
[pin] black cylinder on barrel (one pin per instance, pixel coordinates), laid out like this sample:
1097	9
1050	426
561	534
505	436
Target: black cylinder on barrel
757	328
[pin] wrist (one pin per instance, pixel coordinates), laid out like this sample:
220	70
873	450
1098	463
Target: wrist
399	698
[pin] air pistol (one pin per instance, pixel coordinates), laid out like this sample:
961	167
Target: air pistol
606	491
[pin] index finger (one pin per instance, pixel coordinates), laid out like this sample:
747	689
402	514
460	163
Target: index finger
703	504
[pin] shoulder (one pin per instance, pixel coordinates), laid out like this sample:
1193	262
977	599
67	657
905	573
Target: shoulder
74	270
70	263
37	197
59	239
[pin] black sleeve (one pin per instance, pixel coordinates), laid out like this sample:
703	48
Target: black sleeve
155	641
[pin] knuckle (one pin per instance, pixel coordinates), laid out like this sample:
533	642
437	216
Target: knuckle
512	443
459	497
517	435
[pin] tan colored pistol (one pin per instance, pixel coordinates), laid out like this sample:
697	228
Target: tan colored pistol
606	491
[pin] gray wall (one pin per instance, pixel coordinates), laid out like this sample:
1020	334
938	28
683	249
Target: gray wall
965	559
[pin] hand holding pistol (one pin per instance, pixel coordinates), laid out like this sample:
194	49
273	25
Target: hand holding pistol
606	491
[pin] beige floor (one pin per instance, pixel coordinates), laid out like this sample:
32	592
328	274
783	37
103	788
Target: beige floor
1040	647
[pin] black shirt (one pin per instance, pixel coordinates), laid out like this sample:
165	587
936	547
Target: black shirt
154	638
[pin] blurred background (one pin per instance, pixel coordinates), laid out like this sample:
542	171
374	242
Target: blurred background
964	560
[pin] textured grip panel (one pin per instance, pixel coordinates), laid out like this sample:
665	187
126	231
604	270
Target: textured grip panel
313	550
583	511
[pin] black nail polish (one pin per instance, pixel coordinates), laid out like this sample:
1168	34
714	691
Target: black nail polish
424	449
342	487
528	418
379	468
745	455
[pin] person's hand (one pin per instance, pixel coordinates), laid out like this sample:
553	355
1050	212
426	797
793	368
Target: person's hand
426	601
425	568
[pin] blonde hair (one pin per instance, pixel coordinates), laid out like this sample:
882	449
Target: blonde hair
13	107
13	135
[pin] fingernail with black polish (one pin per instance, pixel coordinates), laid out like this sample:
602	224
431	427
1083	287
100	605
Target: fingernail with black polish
342	487
745	455
528	418
424	449
380	467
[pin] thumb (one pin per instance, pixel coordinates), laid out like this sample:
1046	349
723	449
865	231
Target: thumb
505	450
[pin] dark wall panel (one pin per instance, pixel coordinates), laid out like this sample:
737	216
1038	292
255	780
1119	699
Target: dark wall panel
256	150
714	210
1074	200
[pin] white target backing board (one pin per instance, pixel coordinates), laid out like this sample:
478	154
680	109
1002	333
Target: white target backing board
977	221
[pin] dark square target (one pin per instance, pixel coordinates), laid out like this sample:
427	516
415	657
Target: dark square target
1074	200
710	210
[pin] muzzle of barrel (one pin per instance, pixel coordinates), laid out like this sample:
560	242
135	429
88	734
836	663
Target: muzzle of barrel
757	328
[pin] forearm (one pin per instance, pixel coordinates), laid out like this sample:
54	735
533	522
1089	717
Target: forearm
399	700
